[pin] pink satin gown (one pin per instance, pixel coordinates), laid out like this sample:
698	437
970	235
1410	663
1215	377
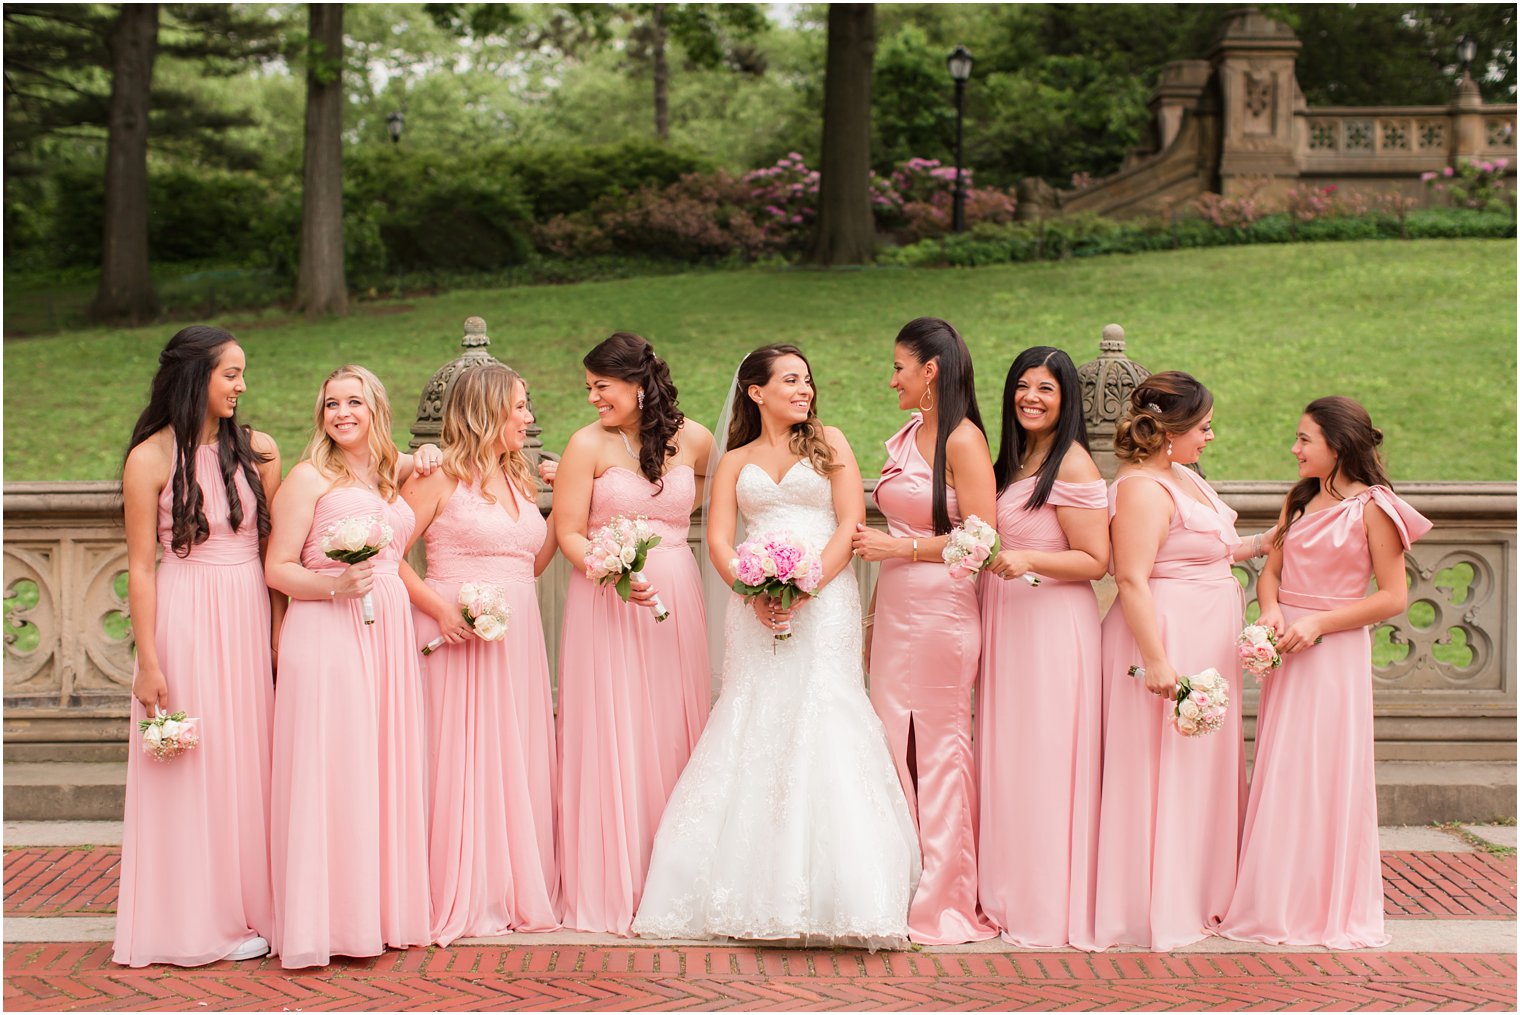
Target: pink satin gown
490	730
349	816
1039	742
633	698
925	646
1169	820
198	824
1310	869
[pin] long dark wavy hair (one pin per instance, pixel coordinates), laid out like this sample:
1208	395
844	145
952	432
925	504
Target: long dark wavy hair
1071	426
930	339
628	357
177	400
807	440
1356	442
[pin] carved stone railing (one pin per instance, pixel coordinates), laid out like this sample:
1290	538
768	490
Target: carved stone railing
1411	139
1445	686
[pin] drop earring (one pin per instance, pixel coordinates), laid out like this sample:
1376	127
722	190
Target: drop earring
1168	449
641	398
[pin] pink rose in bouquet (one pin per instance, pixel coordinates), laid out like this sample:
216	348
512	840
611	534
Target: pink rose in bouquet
971	546
1201	703
354	540
1257	646
168	735
777	565
616	555
484	608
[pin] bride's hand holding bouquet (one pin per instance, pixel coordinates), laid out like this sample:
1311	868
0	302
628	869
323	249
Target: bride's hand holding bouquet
780	568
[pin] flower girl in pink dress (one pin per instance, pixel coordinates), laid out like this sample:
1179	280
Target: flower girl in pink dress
490	713
195	838
348	827
1310	870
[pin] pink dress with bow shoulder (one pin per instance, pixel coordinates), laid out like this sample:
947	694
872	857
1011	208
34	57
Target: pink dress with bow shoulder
1169	821
1310	869
1039	741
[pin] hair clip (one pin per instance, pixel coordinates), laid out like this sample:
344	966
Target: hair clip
1153	407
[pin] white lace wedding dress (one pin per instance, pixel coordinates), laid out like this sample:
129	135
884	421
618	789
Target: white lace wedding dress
789	821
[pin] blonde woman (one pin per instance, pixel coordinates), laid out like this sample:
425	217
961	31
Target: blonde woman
348	829
490	717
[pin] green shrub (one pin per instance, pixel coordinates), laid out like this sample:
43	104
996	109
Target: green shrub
568	179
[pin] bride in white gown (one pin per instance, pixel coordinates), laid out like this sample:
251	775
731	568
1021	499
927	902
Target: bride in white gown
789	821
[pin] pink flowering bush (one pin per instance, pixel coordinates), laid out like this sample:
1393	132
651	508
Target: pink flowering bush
1477	184
1229	212
925	189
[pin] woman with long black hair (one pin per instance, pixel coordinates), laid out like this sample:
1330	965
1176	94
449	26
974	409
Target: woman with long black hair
195	840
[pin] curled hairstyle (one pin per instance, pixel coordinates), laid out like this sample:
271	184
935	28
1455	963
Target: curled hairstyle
930	339
323	452
475	420
1350	434
1163	404
630	358
807	439
178	401
1071	426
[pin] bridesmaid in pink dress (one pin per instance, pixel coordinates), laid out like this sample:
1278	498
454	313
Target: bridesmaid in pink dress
633	692
1310	870
490	715
1039	698
348	825
1169	823
196	484
924	641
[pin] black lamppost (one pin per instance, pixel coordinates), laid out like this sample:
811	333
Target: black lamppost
960	71
1466	50
393	125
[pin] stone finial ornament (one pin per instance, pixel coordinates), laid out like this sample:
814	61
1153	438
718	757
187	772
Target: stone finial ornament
476	345
1107	383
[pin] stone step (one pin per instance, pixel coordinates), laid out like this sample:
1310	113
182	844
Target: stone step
65	790
66	750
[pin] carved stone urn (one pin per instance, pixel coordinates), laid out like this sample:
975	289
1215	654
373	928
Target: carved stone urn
1107	383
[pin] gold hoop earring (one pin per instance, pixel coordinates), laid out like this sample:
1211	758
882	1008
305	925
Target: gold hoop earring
921	405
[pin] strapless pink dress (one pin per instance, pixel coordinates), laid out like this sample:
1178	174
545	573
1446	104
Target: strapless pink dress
349	815
633	697
490	721
924	651
1039	738
198	824
1169	821
1310	869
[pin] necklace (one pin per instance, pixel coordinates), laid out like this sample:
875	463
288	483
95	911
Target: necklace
627	446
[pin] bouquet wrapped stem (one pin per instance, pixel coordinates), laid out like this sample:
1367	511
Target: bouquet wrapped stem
484	608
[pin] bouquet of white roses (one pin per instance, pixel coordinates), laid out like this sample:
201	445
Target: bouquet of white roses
971	546
617	553
354	540
1257	646
1201	704
168	735
484	608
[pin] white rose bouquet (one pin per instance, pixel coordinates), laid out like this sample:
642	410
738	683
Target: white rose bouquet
616	556
354	540
168	734
484	608
1202	701
971	546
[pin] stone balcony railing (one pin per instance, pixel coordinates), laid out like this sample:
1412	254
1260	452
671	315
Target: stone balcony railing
1445	690
1400	139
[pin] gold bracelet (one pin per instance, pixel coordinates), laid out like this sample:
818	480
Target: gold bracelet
915	551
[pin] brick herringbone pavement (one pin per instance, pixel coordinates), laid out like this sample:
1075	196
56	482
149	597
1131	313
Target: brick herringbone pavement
81	881
64	977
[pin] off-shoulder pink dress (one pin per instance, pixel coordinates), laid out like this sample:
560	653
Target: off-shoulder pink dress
490	726
197	825
1169	821
633	698
1310	870
1039	742
349	820
924	650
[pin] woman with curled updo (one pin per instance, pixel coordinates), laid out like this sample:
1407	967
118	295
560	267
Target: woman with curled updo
633	691
1169	820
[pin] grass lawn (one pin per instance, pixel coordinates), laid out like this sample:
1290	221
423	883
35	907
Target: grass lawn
1422	332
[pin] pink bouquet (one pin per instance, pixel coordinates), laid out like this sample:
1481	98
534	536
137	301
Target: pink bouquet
617	553
1257	646
484	608
1201	704
972	544
777	565
353	541
168	735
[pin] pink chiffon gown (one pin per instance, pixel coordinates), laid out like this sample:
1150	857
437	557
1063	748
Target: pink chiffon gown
924	652
1310	869
1039	738
197	825
1169	820
349	819
490	725
633	697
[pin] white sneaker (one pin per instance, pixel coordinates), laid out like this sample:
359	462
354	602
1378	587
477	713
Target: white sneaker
254	948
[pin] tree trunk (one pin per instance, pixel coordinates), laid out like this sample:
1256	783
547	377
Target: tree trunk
846	230
126	286
661	74
320	286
